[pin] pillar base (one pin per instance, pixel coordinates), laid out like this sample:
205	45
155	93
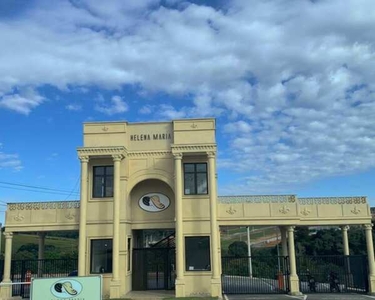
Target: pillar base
6	291
180	288
114	289
216	287
294	286
371	286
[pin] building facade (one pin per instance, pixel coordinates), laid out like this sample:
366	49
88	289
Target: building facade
162	176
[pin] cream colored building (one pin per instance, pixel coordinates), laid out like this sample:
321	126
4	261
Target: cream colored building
142	176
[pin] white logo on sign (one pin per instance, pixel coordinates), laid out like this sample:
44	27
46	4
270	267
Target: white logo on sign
154	202
64	289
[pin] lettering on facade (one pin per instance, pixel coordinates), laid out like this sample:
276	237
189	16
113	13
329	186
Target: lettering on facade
150	136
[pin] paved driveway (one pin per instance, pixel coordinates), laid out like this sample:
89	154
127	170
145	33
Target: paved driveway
334	296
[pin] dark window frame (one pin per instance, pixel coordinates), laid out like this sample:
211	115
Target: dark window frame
209	253
104	184
129	253
195	173
91	256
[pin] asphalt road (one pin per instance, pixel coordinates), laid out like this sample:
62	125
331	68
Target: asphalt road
333	296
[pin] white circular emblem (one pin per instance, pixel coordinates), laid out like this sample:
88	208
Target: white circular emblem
154	202
66	288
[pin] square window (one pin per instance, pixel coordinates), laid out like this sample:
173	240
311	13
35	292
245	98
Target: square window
197	253
195	179
103	181
101	256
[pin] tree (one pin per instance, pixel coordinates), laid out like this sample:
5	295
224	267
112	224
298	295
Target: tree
238	249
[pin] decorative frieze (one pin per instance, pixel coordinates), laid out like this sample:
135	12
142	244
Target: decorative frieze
43	205
258	199
101	151
149	153
194	148
332	200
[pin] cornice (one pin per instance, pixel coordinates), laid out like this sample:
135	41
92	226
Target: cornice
101	151
43	205
332	200
193	148
134	154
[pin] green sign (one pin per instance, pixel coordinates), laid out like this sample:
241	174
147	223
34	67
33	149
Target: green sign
67	288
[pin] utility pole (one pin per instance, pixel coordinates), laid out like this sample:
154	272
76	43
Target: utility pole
249	252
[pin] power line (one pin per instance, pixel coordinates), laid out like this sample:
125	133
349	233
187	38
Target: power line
75	185
36	191
35	187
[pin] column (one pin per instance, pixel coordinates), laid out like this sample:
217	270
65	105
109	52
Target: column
41	240
115	285
293	278
345	240
6	290
284	254
82	217
370	257
215	282
284	241
180	285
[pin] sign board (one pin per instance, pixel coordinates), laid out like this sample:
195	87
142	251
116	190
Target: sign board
68	288
154	202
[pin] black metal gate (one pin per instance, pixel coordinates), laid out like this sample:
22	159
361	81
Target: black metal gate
255	275
24	270
153	269
333	273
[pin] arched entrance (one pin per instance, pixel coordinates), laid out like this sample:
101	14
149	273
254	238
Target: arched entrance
153	253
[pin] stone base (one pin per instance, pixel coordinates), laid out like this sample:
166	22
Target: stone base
5	291
180	288
294	286
114	289
371	286
216	287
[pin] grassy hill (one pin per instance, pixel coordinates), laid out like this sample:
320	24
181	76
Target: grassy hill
56	247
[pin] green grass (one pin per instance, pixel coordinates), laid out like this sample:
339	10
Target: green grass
61	244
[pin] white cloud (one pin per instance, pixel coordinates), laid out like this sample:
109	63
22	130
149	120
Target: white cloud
10	161
117	106
22	102
293	80
74	107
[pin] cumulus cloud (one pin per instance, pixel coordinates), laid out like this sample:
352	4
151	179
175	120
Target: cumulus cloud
22	102
293	80
9	161
116	106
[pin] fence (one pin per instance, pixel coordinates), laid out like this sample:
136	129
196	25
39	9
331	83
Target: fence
333	273
24	270
255	275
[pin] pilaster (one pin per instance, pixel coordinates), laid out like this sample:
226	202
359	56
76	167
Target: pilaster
180	283
82	216
293	278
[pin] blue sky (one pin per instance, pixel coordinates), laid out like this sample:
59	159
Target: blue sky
290	83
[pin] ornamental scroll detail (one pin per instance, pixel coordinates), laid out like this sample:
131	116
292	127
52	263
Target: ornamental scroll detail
44	205
284	210
355	210
231	210
70	215
18	217
305	211
258	199
332	200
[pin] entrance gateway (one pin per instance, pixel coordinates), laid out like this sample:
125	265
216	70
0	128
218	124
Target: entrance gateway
123	173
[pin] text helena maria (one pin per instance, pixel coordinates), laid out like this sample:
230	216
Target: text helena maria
149	137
